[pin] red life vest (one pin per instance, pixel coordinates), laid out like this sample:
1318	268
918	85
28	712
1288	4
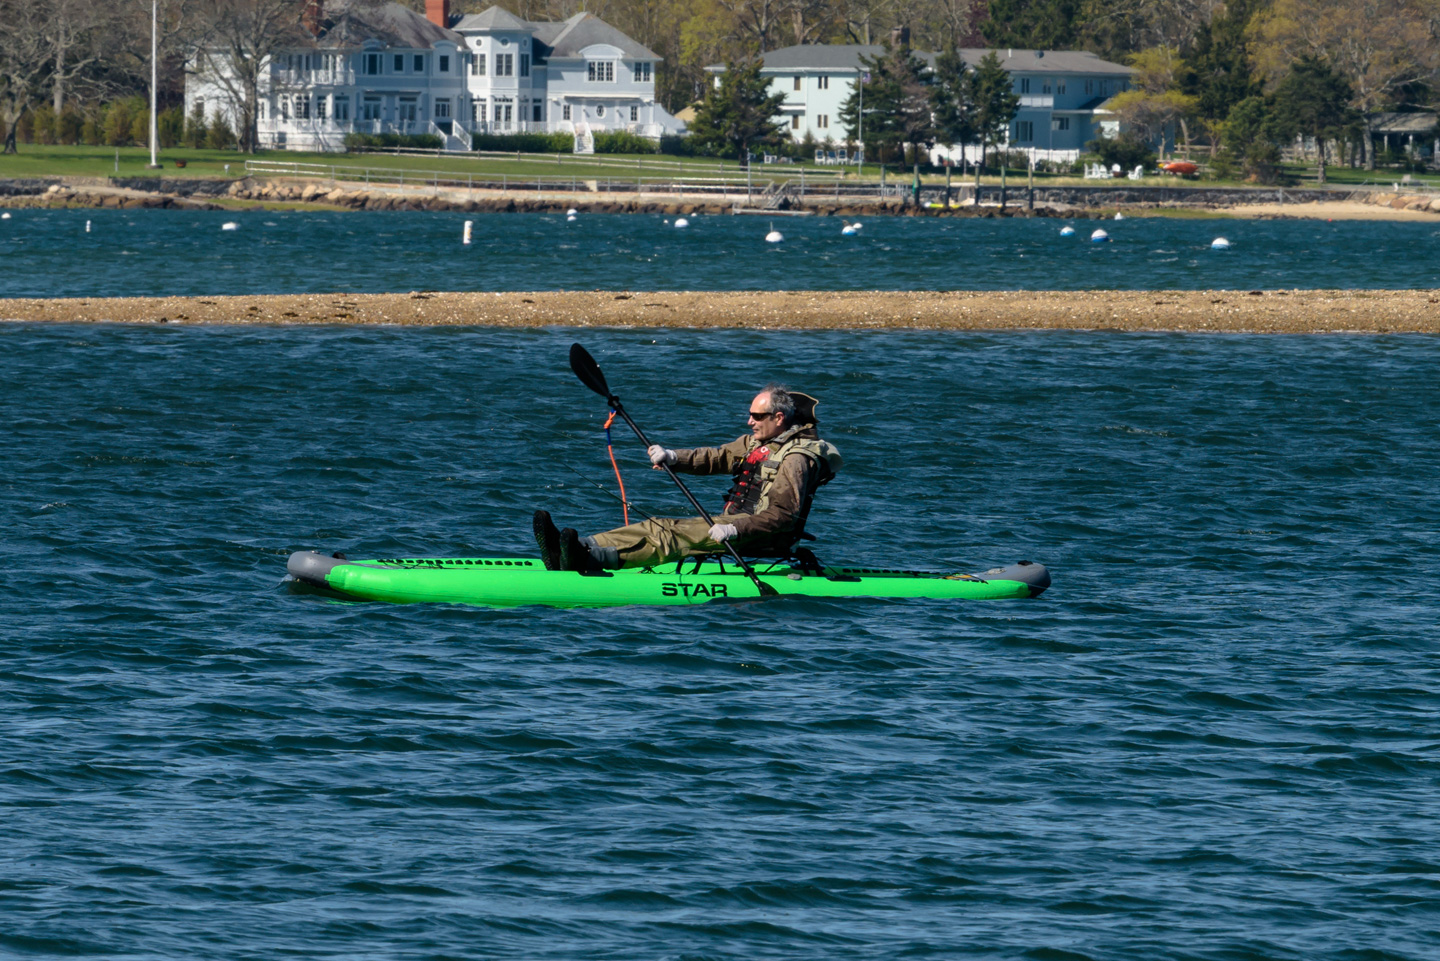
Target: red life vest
744	493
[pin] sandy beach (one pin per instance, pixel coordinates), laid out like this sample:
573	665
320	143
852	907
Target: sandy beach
1215	311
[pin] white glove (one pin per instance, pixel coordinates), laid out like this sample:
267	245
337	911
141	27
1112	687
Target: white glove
723	532
660	455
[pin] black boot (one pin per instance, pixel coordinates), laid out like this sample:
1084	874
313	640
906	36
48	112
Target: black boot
574	556
548	538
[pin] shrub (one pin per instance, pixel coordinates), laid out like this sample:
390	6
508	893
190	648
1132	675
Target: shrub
195	127
140	127
69	126
44	124
172	126
526	142
681	146
218	135
92	131
25	127
403	141
623	141
1127	150
118	118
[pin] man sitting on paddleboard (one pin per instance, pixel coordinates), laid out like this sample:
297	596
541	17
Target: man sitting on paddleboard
777	469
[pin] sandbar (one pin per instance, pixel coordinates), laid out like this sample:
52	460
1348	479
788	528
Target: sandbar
1214	311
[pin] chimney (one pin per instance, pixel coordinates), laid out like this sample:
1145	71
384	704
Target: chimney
899	36
438	12
313	14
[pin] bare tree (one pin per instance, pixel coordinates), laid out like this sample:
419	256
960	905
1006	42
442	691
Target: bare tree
24	61
756	20
809	19
239	40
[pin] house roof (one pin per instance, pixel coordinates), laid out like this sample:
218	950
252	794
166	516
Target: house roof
846	57
350	23
563	39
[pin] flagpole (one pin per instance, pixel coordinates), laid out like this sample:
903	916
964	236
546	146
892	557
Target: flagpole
154	82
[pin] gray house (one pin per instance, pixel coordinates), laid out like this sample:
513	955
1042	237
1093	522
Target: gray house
383	68
1061	92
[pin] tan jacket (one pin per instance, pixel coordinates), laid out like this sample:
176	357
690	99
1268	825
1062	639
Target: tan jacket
786	493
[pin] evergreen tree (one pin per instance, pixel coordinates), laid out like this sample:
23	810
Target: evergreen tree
1033	24
952	101
738	114
1252	141
897	102
996	102
1219	71
1313	100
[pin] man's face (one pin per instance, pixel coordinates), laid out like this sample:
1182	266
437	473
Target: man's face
764	424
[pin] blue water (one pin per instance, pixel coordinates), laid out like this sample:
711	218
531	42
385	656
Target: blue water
164	253
1214	738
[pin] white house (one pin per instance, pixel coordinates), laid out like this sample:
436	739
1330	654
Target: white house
383	68
1061	92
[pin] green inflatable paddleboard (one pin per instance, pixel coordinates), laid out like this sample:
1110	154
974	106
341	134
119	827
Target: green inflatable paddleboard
517	581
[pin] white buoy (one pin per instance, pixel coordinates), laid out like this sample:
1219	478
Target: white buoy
87	226
570	219
681	223
469	226
1119	215
229	225
848	230
1100	237
1219	243
1067	231
5	215
857	225
774	236
571	212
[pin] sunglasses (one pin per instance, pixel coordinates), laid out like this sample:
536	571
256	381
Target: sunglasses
762	414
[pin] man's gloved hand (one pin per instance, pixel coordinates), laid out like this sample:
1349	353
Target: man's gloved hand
723	532
660	455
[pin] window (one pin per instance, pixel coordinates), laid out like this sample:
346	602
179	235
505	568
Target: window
524	65
342	109
1024	84
477	111
1104	88
1045	85
1024	130
284	104
419	63
409	109
537	113
302	107
502	112
399	63
477	65
565	112
1060	85
642	73
372	63
370	108
634	114
320	104
1089	86
601	71
1061	123
797	83
259	110
822	120
504	65
795	122
442	110
822	83
444	63
600	110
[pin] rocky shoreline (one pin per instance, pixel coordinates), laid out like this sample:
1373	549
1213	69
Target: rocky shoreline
1200	311
1067	202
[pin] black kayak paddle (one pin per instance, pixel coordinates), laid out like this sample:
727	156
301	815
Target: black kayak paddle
591	376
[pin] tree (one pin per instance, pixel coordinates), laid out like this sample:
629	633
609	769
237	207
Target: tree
897	102
1155	104
1313	100
1218	72
239	39
1032	24
1252	140
952	101
996	103
24	60
739	112
1381	47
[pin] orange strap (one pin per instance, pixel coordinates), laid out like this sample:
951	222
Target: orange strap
609	447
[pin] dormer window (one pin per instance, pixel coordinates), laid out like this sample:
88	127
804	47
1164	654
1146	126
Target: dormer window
600	71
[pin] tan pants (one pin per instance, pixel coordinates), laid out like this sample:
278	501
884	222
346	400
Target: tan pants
659	540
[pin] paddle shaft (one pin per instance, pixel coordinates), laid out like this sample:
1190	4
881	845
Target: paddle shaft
765	589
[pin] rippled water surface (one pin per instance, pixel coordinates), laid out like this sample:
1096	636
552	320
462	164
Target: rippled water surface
1214	738
164	253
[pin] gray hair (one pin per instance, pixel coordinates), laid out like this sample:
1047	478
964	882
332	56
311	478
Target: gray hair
780	400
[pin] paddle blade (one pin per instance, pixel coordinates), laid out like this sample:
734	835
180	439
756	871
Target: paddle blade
588	371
